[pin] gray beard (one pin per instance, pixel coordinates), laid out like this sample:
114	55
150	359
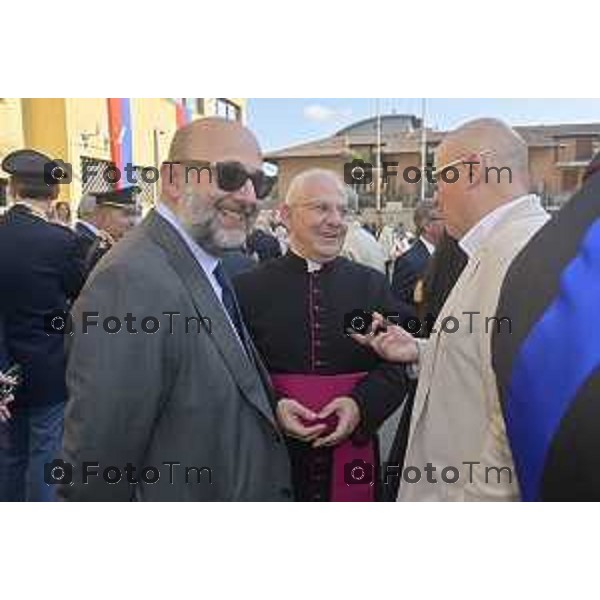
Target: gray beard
212	239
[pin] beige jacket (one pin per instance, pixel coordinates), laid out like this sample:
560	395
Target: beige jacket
457	417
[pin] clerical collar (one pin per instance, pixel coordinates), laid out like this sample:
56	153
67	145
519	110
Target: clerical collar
311	265
34	210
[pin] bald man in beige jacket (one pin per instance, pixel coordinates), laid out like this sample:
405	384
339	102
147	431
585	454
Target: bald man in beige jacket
457	448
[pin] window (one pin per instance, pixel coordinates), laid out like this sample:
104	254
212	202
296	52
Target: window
228	109
584	149
570	180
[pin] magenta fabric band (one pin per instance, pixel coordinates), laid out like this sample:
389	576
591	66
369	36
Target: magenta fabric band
315	392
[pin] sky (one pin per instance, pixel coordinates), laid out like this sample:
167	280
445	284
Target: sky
282	122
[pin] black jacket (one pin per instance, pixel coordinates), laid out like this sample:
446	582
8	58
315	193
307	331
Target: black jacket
41	269
297	321
263	244
4	357
408	269
93	248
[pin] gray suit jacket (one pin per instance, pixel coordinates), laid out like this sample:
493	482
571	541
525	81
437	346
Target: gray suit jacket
186	394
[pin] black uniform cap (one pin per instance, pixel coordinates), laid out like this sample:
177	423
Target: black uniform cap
30	164
123	198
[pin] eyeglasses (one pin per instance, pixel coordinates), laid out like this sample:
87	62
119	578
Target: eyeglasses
232	175
323	208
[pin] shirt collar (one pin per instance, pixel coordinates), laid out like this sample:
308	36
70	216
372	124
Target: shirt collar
89	226
207	261
32	209
311	265
475	238
430	247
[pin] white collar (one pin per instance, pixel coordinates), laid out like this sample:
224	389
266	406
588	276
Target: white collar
207	261
33	209
477	235
430	247
89	226
311	265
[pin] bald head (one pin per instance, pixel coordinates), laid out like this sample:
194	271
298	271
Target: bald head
489	138
215	205
215	140
499	172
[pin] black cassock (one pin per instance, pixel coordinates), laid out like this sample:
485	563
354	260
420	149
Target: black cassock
296	320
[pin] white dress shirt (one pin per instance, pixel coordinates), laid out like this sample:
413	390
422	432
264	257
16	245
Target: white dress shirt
206	261
470	243
430	247
477	235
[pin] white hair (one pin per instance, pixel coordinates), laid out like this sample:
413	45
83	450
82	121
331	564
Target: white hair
300	180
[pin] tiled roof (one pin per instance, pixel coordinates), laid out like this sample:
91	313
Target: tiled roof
402	142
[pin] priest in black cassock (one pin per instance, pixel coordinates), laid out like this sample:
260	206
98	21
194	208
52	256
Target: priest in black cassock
332	394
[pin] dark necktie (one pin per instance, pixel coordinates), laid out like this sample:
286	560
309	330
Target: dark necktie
230	301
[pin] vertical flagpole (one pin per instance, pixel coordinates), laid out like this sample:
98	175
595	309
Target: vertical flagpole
423	149
378	159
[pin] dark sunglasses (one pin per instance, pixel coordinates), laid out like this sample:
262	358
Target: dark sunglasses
232	175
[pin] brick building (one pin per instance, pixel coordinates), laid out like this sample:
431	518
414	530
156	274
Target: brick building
558	156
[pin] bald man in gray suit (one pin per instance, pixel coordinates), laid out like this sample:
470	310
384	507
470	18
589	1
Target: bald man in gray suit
183	413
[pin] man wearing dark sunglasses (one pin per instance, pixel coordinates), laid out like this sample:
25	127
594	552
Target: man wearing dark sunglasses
190	399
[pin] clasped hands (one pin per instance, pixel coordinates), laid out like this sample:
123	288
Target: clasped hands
303	424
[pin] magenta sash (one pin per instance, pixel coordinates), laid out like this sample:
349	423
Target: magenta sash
315	392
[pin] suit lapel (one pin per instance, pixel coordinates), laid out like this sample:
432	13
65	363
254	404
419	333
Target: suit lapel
209	308
449	309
